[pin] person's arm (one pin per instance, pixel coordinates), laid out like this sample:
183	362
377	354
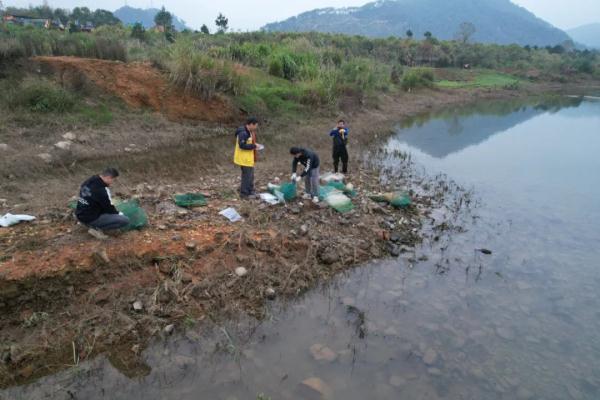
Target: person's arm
294	165
333	132
101	197
307	168
243	139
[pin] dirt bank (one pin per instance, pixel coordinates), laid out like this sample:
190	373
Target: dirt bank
139	85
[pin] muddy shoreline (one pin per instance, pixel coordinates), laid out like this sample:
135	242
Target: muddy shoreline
66	298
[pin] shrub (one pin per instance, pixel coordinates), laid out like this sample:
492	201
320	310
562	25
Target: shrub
42	97
198	74
416	78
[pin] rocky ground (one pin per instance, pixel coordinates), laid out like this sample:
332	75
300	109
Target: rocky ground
66	296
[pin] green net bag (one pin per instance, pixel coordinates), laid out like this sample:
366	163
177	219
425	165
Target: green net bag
400	200
286	190
136	214
395	199
339	202
190	200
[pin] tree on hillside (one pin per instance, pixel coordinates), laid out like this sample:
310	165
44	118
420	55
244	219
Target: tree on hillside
409	34
104	17
81	14
204	29
222	22
164	19
465	31
138	31
428	35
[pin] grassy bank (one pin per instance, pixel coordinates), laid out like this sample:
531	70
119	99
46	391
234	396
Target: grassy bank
285	72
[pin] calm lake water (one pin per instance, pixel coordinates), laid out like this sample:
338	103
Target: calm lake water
521	323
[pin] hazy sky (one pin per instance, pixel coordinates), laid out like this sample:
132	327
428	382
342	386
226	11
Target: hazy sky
250	15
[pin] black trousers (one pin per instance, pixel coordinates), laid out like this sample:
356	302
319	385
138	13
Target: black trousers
340	153
247	186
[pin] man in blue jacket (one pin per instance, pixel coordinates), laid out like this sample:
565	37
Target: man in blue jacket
95	208
340	151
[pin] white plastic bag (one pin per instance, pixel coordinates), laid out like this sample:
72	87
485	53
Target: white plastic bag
269	198
10	219
231	214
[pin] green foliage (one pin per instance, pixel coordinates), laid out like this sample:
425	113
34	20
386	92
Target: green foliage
198	74
204	29
138	32
417	78
222	23
482	79
41	97
164	18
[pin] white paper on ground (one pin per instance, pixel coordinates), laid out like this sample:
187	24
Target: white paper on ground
269	198
10	219
260	146
231	214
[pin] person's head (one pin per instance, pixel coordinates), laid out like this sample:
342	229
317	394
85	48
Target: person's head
109	175
341	124
252	124
296	152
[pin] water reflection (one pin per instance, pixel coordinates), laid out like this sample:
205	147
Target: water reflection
521	323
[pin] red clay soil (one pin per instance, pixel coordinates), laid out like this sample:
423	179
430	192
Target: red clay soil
140	85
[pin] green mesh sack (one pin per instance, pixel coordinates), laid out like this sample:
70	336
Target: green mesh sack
395	199
325	191
400	200
287	190
190	200
339	202
136	214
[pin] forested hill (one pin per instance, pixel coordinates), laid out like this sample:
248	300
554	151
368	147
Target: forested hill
129	16
495	21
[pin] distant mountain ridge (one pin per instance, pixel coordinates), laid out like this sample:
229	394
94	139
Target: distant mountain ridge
130	15
496	21
588	35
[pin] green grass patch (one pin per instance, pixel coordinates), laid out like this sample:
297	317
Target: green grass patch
487	79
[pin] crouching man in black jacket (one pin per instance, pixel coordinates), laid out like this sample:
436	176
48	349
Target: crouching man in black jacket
95	208
310	172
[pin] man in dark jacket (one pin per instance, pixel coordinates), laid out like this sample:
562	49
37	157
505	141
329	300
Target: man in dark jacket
95	208
310	172
245	155
340	151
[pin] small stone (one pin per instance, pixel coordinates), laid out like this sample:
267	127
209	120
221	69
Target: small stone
190	245
434	371
46	157
270	293
162	227
64	145
69	136
304	229
135	349
322	353
176	238
186	277
430	357
241	271
3	147
138	306
313	387
397	381
169	329
295	210
393	249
